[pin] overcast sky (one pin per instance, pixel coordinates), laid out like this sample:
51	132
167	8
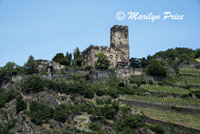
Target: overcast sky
43	28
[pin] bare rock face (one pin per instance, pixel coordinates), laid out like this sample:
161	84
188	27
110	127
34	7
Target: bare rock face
48	97
27	127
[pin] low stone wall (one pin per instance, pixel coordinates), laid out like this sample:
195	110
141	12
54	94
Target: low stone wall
180	128
160	106
92	76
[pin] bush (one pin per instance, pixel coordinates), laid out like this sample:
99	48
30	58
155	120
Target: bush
40	112
158	129
133	121
33	84
109	111
79	77
196	93
156	68
63	111
6	96
113	92
99	101
94	126
137	80
88	67
127	130
5	128
150	82
178	109
89	93
21	105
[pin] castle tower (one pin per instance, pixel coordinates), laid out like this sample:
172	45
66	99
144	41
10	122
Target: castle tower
119	42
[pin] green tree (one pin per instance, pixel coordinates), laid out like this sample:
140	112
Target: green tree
197	53
89	93
156	68
59	57
33	84
40	112
64	60
21	104
68	59
77	57
30	66
8	70
102	61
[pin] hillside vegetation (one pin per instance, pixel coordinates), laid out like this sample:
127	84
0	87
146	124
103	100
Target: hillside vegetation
165	99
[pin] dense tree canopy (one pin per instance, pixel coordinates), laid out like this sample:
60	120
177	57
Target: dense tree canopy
64	60
9	69
156	68
102	61
176	55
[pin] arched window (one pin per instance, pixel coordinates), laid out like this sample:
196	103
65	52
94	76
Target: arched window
111	56
117	57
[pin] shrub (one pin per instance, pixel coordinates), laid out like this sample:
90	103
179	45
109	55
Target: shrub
33	84
40	112
88	67
109	111
100	89
150	82
156	68
79	77
99	101
137	80
158	129
113	92
94	126
63	111
89	93
196	93
127	130
132	121
178	109
5	128
6	96
21	105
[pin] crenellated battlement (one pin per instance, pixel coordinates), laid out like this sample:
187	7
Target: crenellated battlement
118	52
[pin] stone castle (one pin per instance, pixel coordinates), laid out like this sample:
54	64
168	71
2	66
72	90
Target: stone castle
118	52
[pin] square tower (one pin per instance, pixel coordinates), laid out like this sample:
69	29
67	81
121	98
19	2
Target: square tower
119	42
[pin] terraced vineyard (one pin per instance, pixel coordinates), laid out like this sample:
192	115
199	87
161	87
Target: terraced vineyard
190	81
185	102
189	71
165	89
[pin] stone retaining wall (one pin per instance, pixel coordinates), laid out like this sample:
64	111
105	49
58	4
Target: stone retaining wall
160	106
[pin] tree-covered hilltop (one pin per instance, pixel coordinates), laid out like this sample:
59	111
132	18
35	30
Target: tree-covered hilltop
171	56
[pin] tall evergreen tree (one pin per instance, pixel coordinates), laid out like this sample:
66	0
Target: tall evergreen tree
30	66
77	57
